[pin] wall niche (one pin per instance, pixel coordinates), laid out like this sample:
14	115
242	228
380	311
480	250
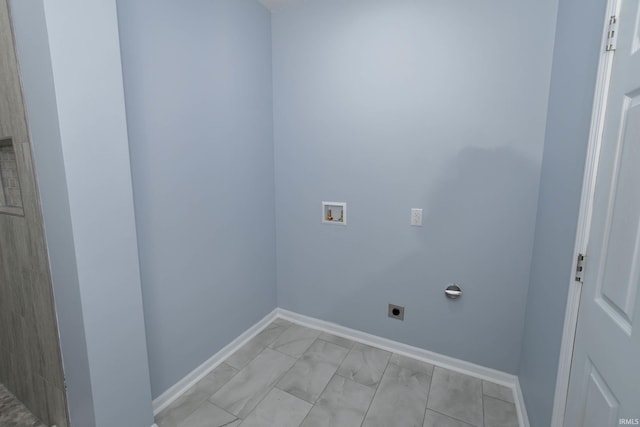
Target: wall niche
10	195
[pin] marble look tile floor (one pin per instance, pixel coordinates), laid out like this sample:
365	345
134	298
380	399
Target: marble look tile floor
292	376
13	413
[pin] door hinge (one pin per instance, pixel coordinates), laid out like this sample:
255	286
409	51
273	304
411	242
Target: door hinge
612	34
579	268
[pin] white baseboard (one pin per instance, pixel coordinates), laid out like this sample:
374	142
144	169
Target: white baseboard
523	418
447	362
468	368
178	389
481	372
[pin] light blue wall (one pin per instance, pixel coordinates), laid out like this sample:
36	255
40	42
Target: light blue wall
32	43
373	106
391	105
197	78
77	116
575	61
85	57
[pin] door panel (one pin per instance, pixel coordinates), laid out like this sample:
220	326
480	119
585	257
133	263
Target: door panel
618	285
636	37
605	370
600	405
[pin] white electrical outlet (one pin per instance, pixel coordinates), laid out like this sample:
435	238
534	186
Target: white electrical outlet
416	217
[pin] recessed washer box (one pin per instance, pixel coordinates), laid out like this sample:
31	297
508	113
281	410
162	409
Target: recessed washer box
334	213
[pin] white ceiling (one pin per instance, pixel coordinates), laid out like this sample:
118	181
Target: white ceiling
276	4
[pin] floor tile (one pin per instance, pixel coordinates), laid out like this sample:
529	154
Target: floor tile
311	373
277	376
195	396
334	339
497	391
271	333
434	419
278	409
245	354
295	340
254	346
401	398
456	395
364	364
343	403
219	377
498	413
245	390
412	364
281	322
209	415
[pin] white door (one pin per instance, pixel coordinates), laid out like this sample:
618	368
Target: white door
604	387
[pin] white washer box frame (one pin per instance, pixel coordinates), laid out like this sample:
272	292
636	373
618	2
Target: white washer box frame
340	205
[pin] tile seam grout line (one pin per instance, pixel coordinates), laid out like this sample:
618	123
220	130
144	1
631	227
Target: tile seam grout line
377	388
276	380
326	385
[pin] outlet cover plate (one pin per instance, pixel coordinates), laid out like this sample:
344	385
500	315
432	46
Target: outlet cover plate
416	217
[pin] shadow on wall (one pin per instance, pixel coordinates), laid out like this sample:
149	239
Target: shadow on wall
484	208
478	232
